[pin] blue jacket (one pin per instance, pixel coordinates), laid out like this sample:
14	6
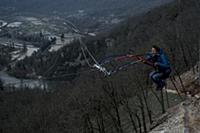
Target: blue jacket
162	62
159	59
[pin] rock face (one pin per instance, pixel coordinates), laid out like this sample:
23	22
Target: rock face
184	118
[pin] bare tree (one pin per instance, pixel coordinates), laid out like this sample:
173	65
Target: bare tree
199	62
114	101
141	106
139	122
129	110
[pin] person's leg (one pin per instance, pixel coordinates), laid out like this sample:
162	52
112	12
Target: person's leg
156	78
152	77
151	74
166	74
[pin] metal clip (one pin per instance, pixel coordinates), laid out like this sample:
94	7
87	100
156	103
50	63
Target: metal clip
102	69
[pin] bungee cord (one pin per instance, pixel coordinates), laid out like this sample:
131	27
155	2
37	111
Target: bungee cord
97	65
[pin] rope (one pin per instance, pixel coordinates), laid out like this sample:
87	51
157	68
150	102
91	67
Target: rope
90	54
85	57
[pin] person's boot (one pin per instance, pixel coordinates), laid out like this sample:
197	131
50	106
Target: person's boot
161	86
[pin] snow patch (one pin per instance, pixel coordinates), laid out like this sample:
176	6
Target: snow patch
34	20
172	91
60	43
91	34
14	24
63	42
3	23
29	52
18	54
115	21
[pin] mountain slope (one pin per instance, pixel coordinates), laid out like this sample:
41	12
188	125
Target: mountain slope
93	102
171	27
71	5
183	118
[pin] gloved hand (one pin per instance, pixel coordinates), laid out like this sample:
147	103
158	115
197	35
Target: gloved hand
155	64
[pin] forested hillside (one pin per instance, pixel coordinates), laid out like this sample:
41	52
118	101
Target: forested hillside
174	27
91	103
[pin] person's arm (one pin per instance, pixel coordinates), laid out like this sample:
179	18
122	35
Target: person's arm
148	59
149	63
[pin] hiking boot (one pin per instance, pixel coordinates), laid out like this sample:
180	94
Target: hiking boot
160	87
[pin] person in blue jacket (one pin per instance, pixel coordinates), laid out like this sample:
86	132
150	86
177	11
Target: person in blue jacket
161	65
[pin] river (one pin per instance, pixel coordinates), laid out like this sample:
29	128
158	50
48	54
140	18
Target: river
10	81
18	83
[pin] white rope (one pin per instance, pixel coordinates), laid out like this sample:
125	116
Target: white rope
85	57
102	69
90	54
84	48
96	65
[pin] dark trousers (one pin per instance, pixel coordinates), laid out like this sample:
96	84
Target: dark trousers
159	77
